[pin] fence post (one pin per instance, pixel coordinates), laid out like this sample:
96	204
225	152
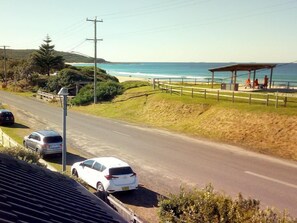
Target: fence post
250	99
181	91
195	81
267	99
276	100
285	101
192	92
288	86
205	93
233	96
169	80
171	90
218	96
182	81
154	83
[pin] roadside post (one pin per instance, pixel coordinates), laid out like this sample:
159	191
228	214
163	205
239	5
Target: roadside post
64	92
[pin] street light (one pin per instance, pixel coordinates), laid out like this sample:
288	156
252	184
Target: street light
64	92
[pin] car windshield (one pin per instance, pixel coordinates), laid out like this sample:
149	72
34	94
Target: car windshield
53	139
120	171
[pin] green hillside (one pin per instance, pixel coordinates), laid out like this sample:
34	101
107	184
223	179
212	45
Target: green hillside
69	57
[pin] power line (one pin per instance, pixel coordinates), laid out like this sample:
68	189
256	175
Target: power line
76	46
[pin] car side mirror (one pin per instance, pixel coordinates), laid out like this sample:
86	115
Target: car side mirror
82	164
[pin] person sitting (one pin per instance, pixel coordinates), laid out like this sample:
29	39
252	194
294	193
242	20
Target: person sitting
265	82
256	84
248	83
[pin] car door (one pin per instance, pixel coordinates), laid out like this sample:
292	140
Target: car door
31	141
95	174
85	170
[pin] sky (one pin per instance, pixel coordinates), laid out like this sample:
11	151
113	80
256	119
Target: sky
157	30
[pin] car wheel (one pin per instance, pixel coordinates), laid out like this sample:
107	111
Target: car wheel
74	173
101	193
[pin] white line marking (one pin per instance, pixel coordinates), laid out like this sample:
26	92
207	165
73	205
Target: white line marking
121	133
271	179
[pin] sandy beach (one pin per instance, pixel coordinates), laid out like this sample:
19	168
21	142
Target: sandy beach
130	78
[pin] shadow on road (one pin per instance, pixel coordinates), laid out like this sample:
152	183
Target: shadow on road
71	158
18	126
143	197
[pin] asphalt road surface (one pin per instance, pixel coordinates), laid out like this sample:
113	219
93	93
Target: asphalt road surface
168	160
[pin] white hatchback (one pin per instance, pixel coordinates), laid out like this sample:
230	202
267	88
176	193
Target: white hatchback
106	174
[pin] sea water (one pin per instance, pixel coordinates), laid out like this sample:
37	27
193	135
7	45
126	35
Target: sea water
282	72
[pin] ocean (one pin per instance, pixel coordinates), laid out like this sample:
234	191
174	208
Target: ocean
281	73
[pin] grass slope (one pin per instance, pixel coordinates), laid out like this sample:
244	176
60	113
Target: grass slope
258	128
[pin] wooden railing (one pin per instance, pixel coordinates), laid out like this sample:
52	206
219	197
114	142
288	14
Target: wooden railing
47	96
278	99
6	141
50	97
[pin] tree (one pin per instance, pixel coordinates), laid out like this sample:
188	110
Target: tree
44	58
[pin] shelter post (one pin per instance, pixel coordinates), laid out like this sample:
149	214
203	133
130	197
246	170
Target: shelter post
234	84
212	78
270	79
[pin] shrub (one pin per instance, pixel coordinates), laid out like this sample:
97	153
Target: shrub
105	91
65	78
23	154
206	205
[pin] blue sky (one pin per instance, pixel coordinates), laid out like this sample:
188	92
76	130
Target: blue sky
157	30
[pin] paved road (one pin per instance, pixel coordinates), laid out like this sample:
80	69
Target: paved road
167	159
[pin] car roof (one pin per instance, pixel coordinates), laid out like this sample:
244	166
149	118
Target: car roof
48	133
111	162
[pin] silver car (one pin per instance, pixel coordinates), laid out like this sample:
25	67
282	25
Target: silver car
44	142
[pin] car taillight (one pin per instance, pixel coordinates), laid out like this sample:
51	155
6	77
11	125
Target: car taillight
110	177
133	175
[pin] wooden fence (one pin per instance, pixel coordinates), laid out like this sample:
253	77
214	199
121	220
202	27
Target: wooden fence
50	97
278	99
6	141
47	96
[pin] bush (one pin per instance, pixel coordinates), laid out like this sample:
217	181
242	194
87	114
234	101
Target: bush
65	78
208	206
105	91
69	76
23	154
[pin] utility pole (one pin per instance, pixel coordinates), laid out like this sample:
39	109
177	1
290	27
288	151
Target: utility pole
95	53
5	71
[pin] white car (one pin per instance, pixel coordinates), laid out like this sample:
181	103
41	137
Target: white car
106	174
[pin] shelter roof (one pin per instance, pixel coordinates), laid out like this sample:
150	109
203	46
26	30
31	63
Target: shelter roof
243	67
29	193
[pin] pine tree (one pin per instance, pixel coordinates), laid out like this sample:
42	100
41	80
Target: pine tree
44	58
